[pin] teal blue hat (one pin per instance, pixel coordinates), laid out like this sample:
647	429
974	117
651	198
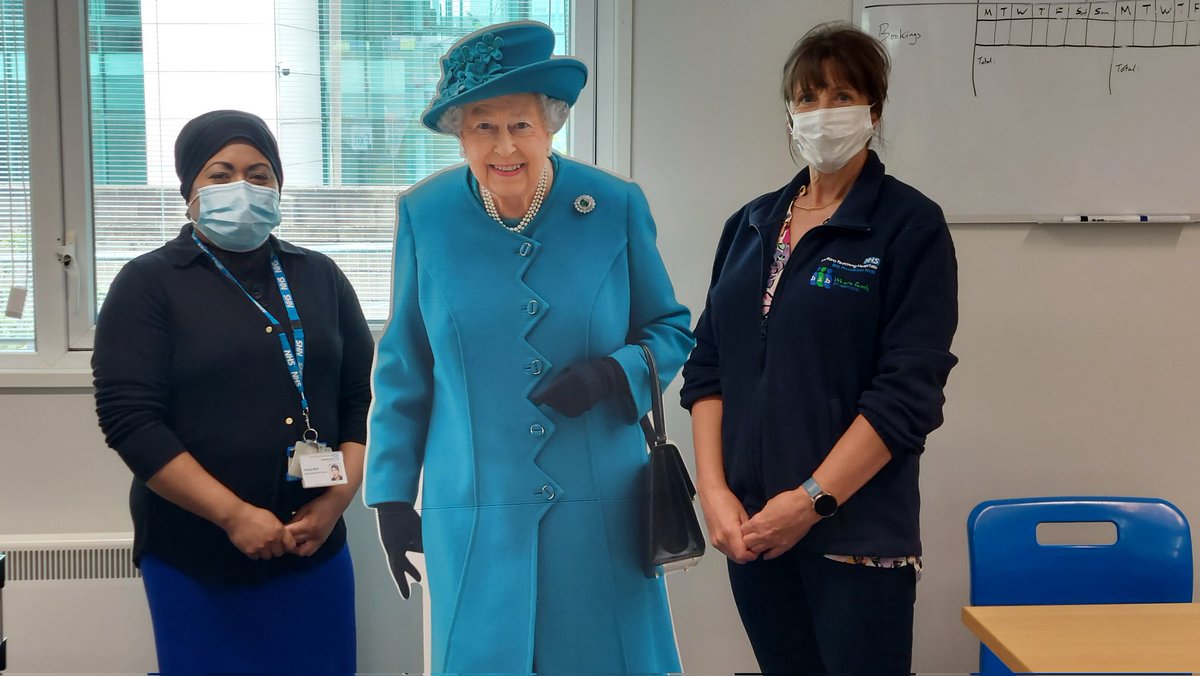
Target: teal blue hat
507	58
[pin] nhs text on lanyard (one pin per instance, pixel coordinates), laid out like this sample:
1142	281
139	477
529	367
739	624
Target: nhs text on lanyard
308	445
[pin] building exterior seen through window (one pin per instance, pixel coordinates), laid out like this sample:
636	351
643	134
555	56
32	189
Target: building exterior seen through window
16	254
340	82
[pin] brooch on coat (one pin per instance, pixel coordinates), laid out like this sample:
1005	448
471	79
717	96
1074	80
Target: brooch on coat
585	203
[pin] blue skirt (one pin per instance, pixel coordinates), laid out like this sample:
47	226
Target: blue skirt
296	623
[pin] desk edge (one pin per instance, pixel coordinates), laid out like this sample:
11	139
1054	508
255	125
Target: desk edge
989	639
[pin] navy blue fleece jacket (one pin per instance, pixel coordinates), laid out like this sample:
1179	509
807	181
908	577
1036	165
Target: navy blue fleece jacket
861	323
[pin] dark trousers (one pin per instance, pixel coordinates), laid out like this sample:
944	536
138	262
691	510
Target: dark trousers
806	614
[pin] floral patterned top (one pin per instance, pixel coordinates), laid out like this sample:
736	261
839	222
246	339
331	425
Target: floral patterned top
783	251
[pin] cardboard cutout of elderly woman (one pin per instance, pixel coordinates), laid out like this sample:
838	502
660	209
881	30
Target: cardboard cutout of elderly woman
510	372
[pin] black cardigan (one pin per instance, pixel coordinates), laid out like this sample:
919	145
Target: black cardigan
182	361
861	322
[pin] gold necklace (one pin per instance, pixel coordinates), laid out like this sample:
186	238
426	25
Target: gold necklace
803	192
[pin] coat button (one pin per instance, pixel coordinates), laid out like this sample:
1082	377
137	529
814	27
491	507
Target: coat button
287	421
537	430
535	367
532	307
546	491
525	250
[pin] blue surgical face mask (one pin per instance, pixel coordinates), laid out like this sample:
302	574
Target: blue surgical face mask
237	216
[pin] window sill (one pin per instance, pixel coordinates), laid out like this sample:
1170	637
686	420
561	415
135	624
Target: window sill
72	370
45	378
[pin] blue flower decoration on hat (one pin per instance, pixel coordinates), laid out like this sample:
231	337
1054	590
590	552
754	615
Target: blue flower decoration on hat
508	58
469	66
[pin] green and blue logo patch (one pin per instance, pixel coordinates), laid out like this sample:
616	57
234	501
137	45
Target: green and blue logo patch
832	273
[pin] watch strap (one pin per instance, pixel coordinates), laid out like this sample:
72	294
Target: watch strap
812	488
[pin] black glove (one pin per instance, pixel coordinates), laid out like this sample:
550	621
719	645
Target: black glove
400	533
581	386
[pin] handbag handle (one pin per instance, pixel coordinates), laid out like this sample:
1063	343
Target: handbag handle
656	431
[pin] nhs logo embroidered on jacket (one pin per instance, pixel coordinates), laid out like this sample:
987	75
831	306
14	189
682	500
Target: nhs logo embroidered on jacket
833	273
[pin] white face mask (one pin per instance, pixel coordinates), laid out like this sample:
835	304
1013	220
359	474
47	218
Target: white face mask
828	137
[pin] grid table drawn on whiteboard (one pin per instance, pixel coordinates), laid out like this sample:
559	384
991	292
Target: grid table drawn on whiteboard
1032	111
1112	25
1139	23
1107	25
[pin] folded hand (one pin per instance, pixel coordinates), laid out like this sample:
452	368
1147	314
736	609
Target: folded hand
783	521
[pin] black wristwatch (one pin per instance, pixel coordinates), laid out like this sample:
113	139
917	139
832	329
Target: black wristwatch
824	504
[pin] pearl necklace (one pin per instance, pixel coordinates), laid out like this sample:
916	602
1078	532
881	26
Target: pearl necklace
490	205
803	192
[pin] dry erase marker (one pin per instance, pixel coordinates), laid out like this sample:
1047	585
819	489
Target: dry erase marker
1134	218
1169	218
1129	218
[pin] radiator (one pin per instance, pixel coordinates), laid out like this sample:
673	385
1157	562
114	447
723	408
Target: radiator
74	603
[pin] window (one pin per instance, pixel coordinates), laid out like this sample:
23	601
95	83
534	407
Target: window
87	152
340	82
16	251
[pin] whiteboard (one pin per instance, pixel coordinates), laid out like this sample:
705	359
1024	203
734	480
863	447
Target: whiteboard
1009	112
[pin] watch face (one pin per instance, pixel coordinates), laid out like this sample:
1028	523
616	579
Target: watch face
825	505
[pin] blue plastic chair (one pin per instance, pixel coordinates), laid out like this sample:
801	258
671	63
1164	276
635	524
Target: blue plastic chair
1150	562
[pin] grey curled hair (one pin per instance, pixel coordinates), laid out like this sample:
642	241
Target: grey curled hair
554	110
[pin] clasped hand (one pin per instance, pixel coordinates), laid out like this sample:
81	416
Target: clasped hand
259	534
782	522
312	524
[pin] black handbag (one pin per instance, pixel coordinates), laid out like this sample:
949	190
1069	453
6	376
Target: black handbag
672	536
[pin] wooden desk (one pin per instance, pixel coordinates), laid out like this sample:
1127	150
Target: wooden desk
1127	638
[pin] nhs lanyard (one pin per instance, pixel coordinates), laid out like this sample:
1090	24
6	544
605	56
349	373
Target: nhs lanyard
295	361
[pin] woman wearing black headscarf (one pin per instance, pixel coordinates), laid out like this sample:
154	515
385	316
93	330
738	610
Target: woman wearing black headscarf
218	357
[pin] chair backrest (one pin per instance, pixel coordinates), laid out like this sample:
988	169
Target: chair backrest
1150	561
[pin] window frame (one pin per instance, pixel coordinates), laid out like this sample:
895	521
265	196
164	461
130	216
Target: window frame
61	175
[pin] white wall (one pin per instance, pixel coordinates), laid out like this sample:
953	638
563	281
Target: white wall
1077	344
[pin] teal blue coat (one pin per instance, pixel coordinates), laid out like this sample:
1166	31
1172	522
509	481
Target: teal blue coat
530	518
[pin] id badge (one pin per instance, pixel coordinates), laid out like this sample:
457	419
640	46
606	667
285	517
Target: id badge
302	448
322	469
